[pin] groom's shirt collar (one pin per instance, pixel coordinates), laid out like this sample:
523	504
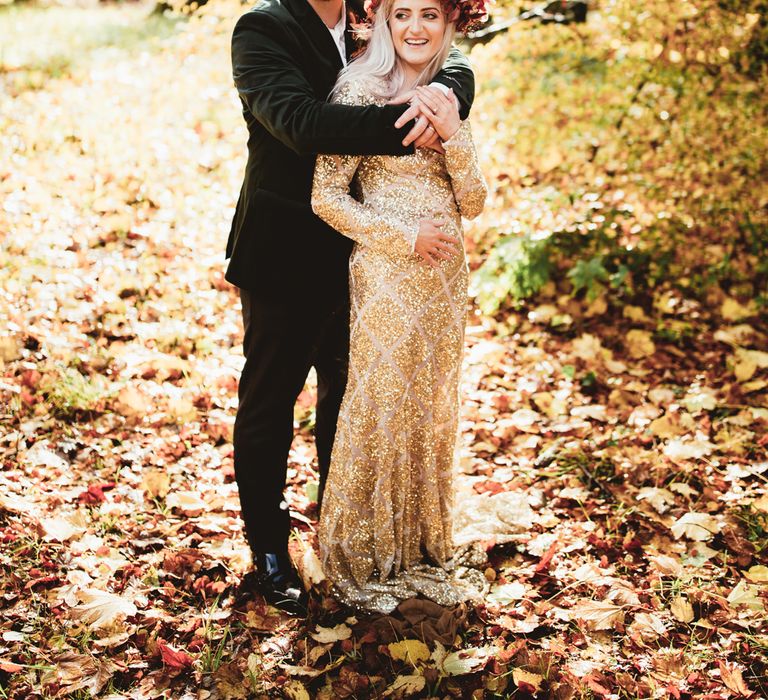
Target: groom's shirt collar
338	33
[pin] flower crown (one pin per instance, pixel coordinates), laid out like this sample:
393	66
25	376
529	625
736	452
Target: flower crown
467	14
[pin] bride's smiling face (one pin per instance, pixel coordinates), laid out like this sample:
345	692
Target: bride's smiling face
417	28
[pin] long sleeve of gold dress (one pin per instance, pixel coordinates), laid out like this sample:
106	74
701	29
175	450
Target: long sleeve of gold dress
385	531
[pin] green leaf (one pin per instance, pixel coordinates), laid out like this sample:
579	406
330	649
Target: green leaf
587	275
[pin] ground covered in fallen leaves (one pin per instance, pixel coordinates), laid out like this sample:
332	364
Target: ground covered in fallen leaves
612	479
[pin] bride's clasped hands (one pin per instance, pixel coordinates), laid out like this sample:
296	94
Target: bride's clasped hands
436	113
441	110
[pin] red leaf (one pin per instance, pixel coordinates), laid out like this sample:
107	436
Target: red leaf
492	487
524	687
51	578
592	683
543	564
368	637
174	658
30	378
95	493
10	667
196	644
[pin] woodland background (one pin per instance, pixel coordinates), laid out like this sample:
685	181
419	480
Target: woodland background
615	397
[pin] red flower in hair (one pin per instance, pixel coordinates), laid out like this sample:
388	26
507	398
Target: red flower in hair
467	14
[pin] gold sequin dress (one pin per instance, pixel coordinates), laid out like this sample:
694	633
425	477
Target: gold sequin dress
385	530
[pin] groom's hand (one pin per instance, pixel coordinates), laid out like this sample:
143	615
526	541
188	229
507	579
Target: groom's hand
423	133
443	111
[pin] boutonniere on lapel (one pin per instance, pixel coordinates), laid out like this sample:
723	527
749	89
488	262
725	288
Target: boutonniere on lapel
360	30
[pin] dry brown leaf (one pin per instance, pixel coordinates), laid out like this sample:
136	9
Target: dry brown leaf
757	574
647	626
667	426
506	593
405	686
732	678
132	402
700	527
412	651
682	609
660	498
634	313
188	502
181	409
761	503
156	483
102	609
174	658
587	347
10	348
80	672
311	570
543	313
522	677
666	565
597	307
746	594
680	450
331	634
295	690
598	614
61	529
525	419
732	310
639	343
700	398
465	661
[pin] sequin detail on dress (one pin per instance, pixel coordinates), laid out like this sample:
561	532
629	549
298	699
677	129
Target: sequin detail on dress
385	529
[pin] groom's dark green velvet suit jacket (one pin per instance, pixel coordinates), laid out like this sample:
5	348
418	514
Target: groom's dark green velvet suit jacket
285	63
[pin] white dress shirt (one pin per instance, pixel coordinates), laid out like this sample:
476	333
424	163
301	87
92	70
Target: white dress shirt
337	33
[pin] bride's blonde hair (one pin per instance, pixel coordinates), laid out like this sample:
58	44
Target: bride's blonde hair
379	59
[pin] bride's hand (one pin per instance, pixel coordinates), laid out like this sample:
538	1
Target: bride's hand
433	244
435	144
441	110
422	134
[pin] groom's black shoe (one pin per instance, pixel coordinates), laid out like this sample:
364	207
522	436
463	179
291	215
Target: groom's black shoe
276	580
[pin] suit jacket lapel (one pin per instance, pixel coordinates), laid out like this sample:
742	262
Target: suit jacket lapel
315	29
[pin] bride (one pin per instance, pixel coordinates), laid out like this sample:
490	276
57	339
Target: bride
385	530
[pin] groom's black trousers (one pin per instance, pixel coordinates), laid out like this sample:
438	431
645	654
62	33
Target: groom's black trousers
282	341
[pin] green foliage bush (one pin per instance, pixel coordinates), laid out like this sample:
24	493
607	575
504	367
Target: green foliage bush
652	119
594	258
518	266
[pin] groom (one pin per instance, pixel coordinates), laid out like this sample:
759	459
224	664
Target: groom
290	267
